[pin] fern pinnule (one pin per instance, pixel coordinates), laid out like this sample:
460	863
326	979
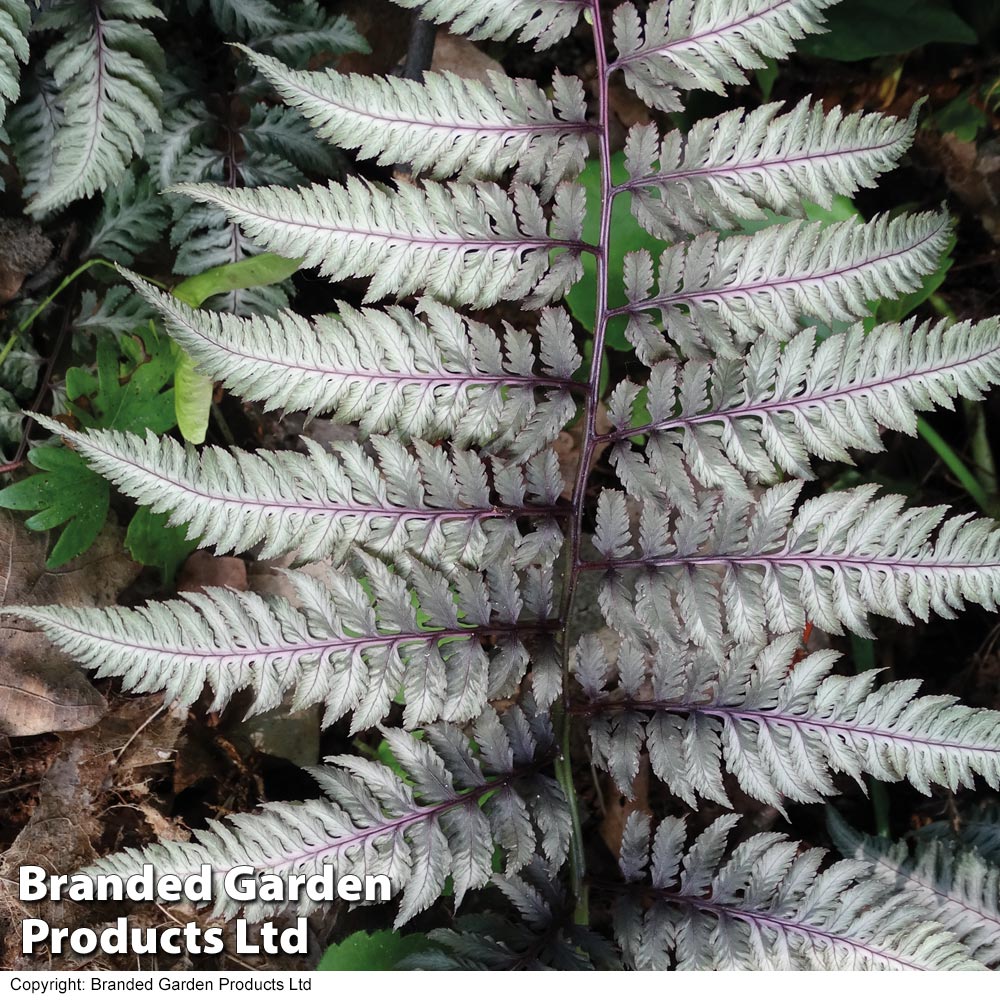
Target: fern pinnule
734	167
715	295
430	502
470	243
445	125
766	906
782	728
428	375
442	822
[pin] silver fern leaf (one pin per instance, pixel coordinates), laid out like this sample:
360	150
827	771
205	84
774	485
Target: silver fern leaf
781	727
705	44
15	22
470	243
715	295
764	904
543	22
842	556
717	423
340	645
390	370
733	167
958	887
429	502
105	68
445	125
443	821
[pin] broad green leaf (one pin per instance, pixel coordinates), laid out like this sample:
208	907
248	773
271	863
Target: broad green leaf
381	951
152	542
193	392
864	29
65	492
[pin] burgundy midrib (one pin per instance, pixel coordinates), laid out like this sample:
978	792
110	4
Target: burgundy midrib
731	290
757	917
459	379
765	717
304	649
652	180
517	245
689	39
511	128
796	402
332	509
784	558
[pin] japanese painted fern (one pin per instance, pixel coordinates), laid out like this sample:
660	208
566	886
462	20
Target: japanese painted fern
459	564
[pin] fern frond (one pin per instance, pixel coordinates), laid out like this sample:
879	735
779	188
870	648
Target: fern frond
766	906
442	822
389	370
716	295
317	505
733	167
308	30
348	647
959	889
445	125
543	22
33	125
728	419
842	556
544	937
15	22
978	830
705	44
781	727
468	243
133	216
106	70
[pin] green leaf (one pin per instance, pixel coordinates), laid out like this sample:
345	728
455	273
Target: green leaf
864	29
264	269
626	235
378	952
65	492
896	310
126	394
152	542
193	392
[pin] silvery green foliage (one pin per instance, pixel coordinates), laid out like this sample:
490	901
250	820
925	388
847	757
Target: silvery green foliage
454	545
780	728
544	935
716	423
15	20
133	217
343	646
540	21
105	67
955	884
763	904
716	295
728	169
705	44
428	125
760	564
473	244
430	374
430	502
32	126
441	822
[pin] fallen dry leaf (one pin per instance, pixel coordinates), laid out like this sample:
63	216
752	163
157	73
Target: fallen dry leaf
41	691
202	569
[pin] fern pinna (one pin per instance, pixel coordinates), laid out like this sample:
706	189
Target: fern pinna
461	557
